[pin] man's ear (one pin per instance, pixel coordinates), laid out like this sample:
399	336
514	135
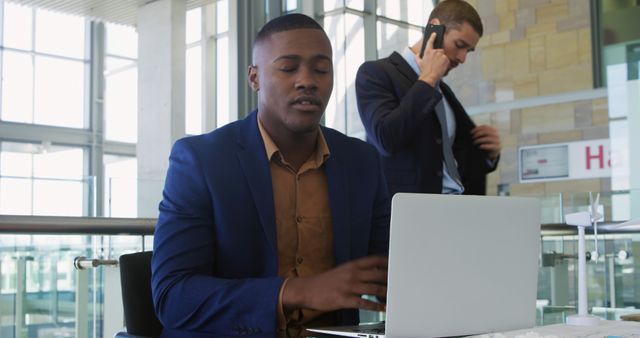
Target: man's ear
435	21
252	78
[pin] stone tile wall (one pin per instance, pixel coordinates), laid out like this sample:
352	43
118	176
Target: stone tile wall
529	48
533	48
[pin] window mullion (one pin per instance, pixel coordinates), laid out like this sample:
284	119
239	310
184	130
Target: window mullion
32	184
209	60
1	49
96	40
33	65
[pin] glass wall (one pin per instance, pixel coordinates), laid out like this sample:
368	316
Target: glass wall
42	295
342	113
121	84
121	186
398	24
71	82
35	59
44	179
223	73
194	74
619	41
207	68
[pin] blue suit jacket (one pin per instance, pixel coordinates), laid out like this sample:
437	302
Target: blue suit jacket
215	257
398	113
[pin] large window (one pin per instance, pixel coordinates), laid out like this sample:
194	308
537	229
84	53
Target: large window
397	25
121	84
342	113
223	73
45	83
193	70
44	179
207	68
120	184
619	37
40	50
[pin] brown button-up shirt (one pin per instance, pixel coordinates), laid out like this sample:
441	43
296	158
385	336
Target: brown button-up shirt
303	220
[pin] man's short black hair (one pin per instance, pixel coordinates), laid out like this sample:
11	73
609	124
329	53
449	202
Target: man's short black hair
286	23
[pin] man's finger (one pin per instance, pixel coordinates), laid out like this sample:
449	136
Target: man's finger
365	304
430	42
370	289
484	129
486	139
373	276
490	147
372	262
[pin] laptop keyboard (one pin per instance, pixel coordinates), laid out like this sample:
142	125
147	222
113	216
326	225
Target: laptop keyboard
374	328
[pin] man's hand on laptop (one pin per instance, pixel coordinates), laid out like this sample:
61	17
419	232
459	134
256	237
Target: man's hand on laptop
340	288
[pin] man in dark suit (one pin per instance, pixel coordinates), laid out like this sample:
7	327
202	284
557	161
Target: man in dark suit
428	142
272	223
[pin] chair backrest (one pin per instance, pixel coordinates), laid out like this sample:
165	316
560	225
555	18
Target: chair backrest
135	277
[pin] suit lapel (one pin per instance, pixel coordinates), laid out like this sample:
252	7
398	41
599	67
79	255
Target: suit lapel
403	67
338	200
254	163
463	121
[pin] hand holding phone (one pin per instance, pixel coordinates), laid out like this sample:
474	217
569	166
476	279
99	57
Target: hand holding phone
428	30
432	60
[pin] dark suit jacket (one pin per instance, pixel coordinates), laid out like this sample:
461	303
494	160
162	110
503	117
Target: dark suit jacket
215	258
398	113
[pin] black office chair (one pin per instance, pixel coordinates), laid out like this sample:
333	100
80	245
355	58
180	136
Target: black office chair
139	315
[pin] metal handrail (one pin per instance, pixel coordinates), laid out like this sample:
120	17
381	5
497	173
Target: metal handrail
83	263
10	224
554	229
76	225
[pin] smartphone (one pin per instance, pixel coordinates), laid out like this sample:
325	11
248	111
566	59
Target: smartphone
428	29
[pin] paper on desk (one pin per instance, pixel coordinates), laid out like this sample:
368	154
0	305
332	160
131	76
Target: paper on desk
606	329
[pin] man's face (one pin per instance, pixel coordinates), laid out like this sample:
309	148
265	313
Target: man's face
293	74
458	42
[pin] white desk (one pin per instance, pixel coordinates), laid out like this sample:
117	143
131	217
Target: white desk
607	328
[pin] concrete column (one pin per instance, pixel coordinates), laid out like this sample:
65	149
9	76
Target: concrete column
161	95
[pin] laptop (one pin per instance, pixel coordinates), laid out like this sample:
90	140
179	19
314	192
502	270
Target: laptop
458	265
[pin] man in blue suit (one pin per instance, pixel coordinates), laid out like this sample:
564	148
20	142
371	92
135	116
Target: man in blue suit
272	223
428	142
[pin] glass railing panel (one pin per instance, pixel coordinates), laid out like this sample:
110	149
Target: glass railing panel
43	295
133	197
612	278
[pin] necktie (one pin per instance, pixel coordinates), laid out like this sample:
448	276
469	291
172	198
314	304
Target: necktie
447	147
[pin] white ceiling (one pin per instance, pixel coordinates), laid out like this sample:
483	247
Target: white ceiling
115	11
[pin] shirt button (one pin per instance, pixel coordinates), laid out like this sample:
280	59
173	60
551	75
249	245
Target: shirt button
299	260
439	173
438	141
299	219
